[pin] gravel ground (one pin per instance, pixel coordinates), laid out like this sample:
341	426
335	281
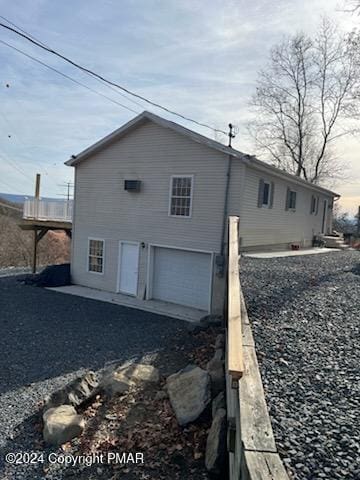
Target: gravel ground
305	313
48	338
10	271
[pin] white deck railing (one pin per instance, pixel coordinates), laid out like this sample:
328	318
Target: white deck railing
61	210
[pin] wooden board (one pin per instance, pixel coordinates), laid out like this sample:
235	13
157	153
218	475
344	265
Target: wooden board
235	355
256	430
263	466
244	315
248	339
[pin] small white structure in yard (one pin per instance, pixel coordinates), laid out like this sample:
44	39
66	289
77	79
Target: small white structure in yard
151	203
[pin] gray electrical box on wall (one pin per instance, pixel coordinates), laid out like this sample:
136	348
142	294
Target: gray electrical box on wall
132	185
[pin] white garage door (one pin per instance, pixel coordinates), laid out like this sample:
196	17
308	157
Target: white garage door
182	277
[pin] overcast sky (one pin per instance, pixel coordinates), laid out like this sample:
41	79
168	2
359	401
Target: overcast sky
199	57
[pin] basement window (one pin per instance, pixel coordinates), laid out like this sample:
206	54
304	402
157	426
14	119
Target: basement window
181	196
96	255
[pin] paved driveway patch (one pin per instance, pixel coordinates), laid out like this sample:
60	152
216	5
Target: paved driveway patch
48	338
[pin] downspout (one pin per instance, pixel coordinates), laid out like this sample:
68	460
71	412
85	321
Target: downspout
220	259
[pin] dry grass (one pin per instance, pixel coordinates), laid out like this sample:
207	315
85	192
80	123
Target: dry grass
16	245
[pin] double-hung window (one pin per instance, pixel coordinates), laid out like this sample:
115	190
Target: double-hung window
96	256
181	188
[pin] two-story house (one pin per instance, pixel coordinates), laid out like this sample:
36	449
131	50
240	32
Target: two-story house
151	202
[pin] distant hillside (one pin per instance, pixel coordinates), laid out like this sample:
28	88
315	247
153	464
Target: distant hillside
13	198
19	199
10	209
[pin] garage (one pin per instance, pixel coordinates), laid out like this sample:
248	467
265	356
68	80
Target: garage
181	276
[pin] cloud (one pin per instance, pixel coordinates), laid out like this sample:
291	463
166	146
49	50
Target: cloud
199	58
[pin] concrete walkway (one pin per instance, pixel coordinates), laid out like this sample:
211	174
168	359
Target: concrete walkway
155	306
291	253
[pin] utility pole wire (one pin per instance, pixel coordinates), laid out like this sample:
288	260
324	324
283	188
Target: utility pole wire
68	185
14	165
110	82
67	76
8	186
91	76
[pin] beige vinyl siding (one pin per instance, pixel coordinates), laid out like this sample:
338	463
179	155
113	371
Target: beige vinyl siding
276	225
105	210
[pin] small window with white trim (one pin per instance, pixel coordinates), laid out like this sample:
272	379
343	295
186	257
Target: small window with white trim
96	256
181	196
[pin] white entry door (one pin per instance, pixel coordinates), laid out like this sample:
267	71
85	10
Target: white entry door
128	268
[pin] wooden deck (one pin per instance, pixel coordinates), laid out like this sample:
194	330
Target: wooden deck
33	223
40	229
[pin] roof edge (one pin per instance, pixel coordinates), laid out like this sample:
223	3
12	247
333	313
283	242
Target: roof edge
263	166
197	137
84	154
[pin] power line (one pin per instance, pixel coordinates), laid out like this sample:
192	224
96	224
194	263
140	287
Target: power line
14	165
67	76
7	185
87	73
104	79
18	140
10	161
68	186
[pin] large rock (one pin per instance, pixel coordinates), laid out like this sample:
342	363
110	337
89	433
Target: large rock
215	454
211	320
61	424
215	367
75	393
189	393
138	372
220	341
217	403
115	383
121	379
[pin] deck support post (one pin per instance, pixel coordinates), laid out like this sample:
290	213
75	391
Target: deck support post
38	235
34	251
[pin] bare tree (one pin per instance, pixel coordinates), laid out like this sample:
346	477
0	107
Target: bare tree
304	100
352	6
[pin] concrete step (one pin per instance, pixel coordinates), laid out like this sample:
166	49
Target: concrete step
335	242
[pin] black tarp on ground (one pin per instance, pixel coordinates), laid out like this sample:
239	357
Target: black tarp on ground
51	276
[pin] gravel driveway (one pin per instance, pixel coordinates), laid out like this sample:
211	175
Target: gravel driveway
47	338
305	313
